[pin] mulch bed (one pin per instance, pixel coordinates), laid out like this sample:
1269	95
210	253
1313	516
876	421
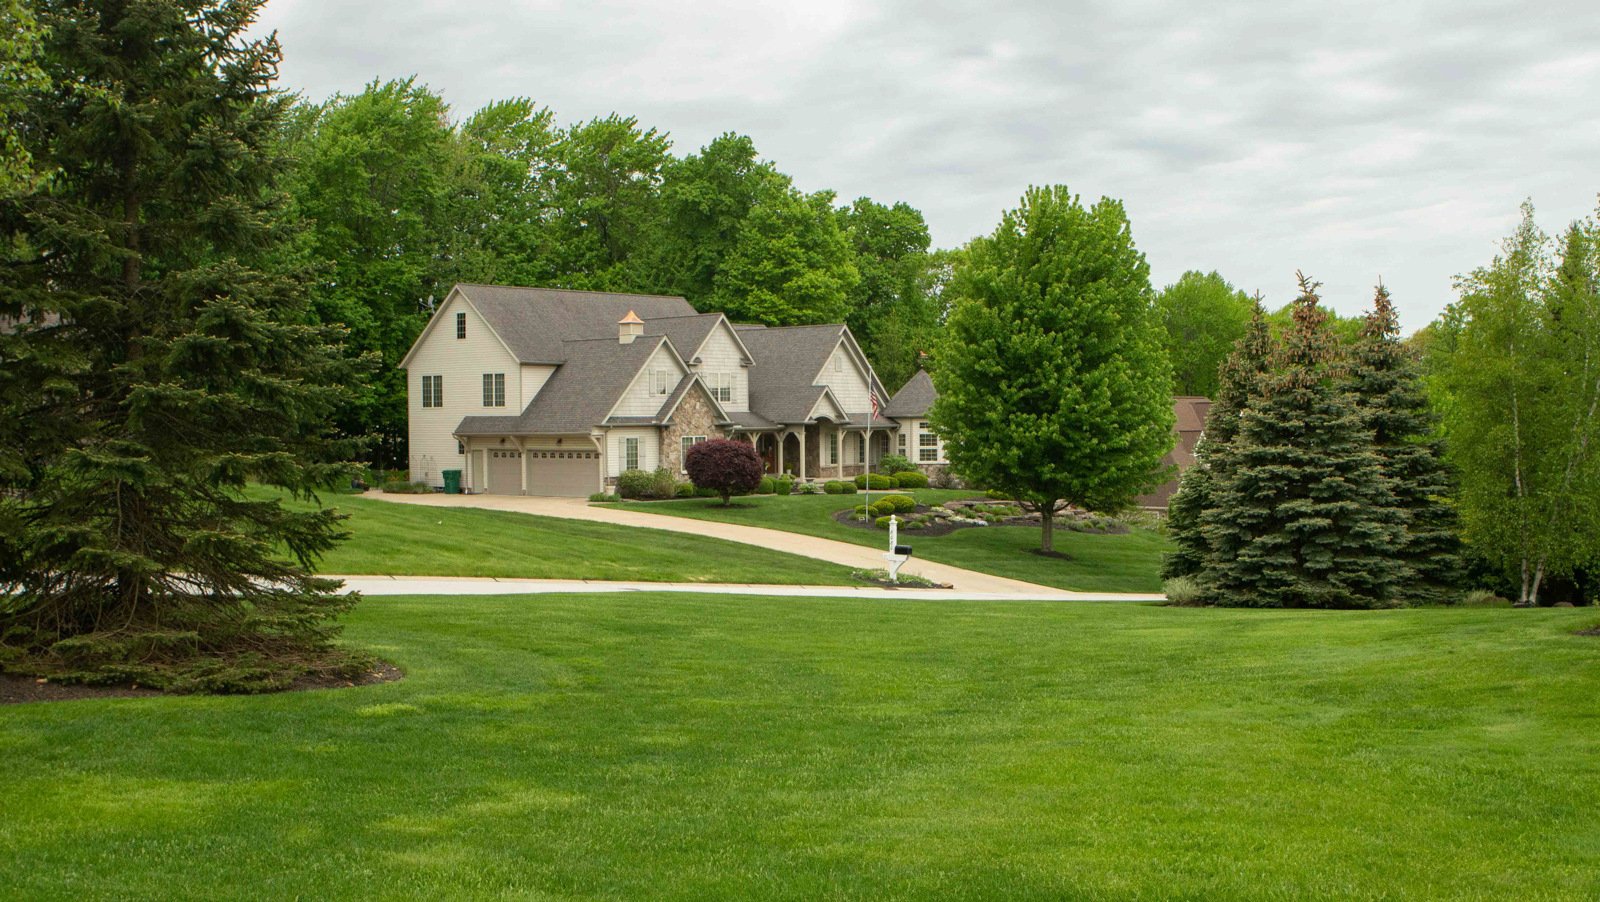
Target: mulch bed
945	527
16	690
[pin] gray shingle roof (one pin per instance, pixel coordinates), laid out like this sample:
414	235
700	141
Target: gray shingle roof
534	322
686	332
593	375
787	359
749	419
914	398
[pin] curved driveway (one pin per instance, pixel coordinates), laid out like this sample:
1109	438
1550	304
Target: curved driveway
965	582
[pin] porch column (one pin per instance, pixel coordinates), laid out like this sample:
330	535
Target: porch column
838	464
783	439
802	453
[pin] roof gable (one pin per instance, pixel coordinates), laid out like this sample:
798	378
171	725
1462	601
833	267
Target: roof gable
914	398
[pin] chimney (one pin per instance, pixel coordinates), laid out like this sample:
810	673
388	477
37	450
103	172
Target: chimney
629	328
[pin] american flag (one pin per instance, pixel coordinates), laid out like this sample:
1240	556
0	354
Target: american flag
872	398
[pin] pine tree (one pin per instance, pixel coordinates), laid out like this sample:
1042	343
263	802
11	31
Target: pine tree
155	361
1302	513
1238	376
1386	384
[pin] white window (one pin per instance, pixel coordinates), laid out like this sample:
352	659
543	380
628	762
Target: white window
861	448
432	391
833	447
927	447
461	325
661	386
721	385
689	441
630	454
494	389
900	443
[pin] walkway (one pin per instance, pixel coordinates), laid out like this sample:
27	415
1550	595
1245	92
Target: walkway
462	585
858	556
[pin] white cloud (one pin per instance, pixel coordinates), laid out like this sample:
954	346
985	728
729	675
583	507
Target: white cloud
1348	140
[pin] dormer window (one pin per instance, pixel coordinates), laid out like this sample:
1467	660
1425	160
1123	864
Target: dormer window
461	325
661	386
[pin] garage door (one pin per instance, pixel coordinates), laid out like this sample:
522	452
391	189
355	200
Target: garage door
571	474
505	473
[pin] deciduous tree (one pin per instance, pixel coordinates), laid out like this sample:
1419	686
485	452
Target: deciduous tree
725	466
1052	382
1204	317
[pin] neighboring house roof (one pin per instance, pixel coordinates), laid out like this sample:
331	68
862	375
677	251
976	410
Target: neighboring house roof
535	322
580	393
913	399
1191	419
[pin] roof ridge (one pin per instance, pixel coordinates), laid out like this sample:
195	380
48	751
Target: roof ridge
627	294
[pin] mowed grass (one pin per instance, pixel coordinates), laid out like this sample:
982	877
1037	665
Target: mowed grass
408	540
1094	563
685	747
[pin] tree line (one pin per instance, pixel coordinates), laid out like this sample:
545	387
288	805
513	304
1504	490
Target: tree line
394	202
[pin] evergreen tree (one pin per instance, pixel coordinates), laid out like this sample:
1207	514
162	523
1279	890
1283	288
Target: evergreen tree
1238	376
1302	514
1385	381
157	361
1052	382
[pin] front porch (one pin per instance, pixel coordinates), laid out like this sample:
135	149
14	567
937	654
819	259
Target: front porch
822	449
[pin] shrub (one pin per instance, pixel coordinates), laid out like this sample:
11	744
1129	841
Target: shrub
605	496
911	480
1483	598
998	495
398	487
833	487
809	488
894	464
876	482
709	492
883	508
881	522
684	490
729	467
900	504
783	485
764	487
944	479
847	488
1182	590
861	511
633	484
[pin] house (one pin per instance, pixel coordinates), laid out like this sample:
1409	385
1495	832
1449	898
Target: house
1190	419
556	392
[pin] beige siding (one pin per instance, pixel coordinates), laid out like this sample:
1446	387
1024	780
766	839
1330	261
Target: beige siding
642	398
461	363
721	355
534	376
649	448
913	430
842	374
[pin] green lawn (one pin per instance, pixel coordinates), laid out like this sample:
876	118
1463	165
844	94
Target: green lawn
1095	563
680	747
409	540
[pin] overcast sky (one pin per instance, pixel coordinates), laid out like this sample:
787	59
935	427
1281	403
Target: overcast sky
1351	140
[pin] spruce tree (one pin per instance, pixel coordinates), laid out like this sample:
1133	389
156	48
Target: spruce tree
1302	513
1237	377
1386	384
153	362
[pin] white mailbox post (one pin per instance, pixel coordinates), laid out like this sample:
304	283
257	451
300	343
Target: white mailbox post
898	554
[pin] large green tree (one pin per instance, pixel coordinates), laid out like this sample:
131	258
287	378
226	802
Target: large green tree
1387	385
895	308
156	362
498	197
606	195
371	185
20	76
789	265
1204	316
1301	512
1517	366
1052	382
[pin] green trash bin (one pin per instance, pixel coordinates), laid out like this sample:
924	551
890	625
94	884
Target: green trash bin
452	482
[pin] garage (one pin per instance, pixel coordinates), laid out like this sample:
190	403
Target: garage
570	474
505	472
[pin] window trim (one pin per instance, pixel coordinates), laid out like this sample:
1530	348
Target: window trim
432	391
494	389
461	325
630	452
929	448
684	444
833	448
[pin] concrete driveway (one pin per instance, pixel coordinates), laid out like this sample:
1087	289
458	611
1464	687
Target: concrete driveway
850	555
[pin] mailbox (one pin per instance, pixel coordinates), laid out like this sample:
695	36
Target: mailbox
902	550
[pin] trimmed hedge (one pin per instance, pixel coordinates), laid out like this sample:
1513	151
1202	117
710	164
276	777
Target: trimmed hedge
911	480
900	504
876	481
783	485
838	487
398	487
765	486
684	490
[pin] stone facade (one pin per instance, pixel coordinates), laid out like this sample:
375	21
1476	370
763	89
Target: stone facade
694	416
